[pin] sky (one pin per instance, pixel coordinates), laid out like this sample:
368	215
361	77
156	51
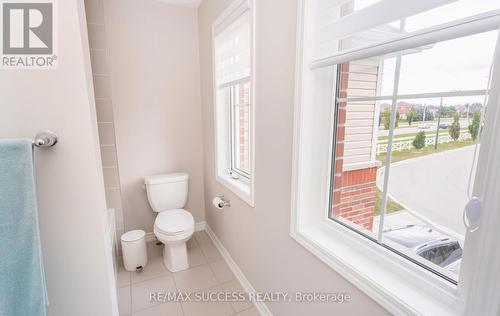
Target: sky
460	64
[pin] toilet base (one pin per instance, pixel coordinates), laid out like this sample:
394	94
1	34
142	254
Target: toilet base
175	257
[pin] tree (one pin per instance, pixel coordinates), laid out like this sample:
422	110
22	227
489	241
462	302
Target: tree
418	116
474	126
419	140
409	117
447	111
387	122
386	118
455	127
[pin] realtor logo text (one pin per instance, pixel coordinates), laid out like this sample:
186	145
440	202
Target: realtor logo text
28	40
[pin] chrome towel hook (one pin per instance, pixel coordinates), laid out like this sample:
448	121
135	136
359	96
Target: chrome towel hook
45	139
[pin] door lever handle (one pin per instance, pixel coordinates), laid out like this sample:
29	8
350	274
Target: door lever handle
472	214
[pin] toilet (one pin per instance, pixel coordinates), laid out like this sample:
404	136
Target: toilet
174	226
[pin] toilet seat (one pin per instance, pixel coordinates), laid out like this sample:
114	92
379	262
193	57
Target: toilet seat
174	222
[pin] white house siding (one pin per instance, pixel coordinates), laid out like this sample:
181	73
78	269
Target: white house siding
360	117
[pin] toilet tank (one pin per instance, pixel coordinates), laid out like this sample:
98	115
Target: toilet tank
167	191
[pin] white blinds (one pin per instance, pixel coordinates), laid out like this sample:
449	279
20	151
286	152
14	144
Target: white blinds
377	22
233	50
479	23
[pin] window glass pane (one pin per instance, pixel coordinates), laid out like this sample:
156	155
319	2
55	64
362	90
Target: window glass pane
430	181
361	4
450	12
433	146
460	64
356	197
385	32
241	129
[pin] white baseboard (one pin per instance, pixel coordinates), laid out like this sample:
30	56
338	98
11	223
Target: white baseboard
260	306
199	226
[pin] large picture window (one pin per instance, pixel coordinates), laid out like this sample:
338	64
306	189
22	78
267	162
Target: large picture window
394	122
407	127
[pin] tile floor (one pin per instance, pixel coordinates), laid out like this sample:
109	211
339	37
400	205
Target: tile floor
208	273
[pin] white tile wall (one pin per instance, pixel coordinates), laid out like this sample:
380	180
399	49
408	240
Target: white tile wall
106	134
104	110
102	86
97	36
108	156
94	11
104	107
111	178
99	62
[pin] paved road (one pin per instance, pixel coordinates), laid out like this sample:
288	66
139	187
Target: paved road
434	186
414	128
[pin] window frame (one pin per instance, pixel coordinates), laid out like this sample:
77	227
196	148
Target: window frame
378	235
239	183
397	284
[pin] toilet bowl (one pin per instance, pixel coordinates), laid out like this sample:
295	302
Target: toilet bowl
174	228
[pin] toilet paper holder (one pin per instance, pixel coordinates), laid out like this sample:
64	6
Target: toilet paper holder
220	202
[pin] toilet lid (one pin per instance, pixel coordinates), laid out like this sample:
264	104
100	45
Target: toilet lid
174	221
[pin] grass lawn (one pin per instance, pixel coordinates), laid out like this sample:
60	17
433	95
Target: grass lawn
392	206
414	153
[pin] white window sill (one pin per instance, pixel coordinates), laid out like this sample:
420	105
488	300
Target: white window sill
362	165
398	285
239	187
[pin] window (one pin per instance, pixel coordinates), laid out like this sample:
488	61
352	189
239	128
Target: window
394	119
399	193
232	42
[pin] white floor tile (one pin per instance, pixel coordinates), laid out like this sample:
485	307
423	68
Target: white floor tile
211	252
222	271
196	257
166	309
123	294
122	277
201	308
154	250
141	292
235	286
197	278
153	269
208	272
192	243
248	312
202	238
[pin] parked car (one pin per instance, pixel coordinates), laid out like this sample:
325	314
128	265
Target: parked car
429	244
424	126
443	125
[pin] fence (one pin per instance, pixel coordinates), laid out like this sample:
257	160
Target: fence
406	143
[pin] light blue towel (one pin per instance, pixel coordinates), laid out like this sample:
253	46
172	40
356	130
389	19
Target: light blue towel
22	283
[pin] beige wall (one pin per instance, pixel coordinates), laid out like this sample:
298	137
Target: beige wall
258	238
70	188
154	63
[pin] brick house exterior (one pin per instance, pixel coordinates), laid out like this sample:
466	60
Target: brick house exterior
355	170
244	126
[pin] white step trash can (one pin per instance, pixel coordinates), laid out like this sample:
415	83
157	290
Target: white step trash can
134	252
